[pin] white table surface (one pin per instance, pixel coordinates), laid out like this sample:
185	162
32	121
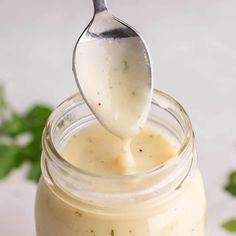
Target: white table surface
193	46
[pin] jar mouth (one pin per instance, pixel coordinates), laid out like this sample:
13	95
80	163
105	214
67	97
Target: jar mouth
187	142
181	159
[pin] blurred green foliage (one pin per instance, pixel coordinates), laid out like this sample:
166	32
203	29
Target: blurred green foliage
230	187
20	137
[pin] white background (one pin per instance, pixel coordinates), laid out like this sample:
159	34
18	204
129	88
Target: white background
193	47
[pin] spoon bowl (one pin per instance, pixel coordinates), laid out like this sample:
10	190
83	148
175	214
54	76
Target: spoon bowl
112	68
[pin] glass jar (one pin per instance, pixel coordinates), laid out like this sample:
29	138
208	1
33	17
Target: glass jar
168	200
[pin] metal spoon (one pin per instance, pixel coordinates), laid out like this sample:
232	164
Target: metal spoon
112	68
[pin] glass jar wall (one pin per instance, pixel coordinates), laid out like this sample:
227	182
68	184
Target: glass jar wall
168	200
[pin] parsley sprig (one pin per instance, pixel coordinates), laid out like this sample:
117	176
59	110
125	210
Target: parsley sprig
20	137
230	225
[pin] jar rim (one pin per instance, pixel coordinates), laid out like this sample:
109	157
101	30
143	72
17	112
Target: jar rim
185	145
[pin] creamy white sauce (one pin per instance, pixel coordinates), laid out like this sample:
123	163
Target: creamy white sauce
115	80
184	215
95	150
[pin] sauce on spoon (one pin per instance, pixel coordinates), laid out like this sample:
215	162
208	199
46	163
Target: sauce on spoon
114	77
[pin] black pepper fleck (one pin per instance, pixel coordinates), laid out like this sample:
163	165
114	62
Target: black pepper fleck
126	66
78	213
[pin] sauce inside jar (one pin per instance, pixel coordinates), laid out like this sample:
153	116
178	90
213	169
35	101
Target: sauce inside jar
99	198
95	150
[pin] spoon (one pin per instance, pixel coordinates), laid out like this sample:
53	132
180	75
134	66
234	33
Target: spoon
112	68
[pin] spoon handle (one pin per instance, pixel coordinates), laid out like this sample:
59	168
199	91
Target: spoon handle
99	6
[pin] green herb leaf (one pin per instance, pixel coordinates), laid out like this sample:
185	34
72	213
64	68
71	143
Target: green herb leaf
15	126
230	226
231	185
112	232
126	65
12	127
20	158
35	171
8	159
2	99
37	116
4	107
